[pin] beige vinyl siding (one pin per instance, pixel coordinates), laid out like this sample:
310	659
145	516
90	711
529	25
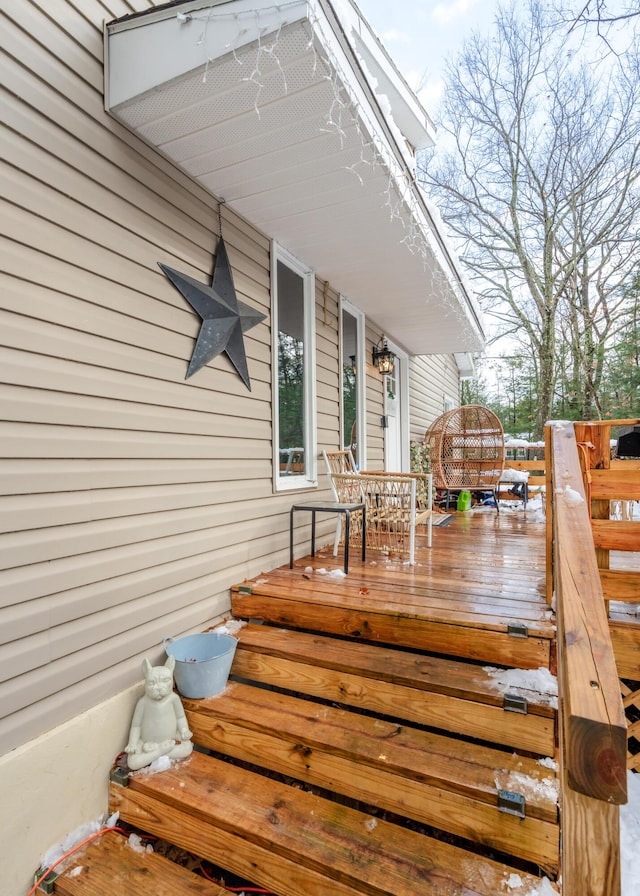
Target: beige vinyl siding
130	498
432	380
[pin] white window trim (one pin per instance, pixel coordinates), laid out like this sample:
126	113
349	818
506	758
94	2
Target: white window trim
403	396
361	377
308	479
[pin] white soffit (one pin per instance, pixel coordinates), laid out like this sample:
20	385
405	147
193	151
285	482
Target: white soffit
298	120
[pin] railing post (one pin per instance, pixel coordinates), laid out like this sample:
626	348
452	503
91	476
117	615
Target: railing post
548	504
598	436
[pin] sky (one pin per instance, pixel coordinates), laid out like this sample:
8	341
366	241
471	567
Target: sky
419	34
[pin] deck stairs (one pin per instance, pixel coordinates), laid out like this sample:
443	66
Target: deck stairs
358	749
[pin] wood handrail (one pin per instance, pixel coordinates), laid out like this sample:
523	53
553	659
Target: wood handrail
591	690
593	724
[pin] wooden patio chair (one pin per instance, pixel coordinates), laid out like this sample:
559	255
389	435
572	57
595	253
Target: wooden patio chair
392	508
338	462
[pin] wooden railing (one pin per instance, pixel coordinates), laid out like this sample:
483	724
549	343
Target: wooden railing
610	480
593	732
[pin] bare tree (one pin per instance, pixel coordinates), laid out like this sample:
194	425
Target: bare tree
608	19
601	13
536	176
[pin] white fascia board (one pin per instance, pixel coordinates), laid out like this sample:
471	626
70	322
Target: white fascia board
465	364
408	114
453	262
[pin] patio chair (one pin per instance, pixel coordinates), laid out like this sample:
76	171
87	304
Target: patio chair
393	510
467	450
338	462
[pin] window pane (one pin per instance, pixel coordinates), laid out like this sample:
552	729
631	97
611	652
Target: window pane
291	358
349	383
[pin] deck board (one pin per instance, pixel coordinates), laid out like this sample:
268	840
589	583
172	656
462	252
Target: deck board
483	576
361	745
442	693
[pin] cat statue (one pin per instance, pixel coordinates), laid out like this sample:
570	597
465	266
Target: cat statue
159	725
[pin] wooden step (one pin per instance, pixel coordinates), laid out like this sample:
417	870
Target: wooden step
434	691
110	866
340	607
440	781
297	843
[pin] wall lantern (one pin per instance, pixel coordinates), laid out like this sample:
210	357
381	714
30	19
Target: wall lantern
354	366
383	357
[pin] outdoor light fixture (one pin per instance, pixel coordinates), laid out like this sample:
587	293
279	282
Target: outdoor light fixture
354	368
383	357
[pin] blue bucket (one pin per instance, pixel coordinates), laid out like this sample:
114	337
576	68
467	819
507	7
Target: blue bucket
203	662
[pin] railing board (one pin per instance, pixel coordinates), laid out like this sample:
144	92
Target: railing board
619	584
616	484
625	638
616	535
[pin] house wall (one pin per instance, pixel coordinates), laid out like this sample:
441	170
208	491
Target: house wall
433	380
130	499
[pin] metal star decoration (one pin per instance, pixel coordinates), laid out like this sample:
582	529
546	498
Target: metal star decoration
224	318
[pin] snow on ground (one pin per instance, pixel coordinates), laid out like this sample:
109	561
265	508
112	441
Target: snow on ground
630	837
538	685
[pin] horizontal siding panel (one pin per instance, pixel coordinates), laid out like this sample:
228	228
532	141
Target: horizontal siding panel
106	311
26	405
82	52
82	31
92	284
19	620
68	368
53	677
39	545
241	483
41	441
75	221
59	360
29	166
195	219
88	691
432	379
86	117
46	237
49	577
32	177
134	499
34	478
44	648
31	44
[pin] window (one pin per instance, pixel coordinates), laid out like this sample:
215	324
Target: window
353	382
294	372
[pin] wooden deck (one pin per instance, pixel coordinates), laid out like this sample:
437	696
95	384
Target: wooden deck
363	745
478	593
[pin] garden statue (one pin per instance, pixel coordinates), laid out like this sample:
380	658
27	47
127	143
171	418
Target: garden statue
159	725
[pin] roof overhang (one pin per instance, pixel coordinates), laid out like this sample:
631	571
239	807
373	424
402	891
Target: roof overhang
466	365
297	118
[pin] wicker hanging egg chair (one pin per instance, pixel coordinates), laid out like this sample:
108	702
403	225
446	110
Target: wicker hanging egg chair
467	449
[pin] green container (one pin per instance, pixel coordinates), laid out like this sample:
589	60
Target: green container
464	501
